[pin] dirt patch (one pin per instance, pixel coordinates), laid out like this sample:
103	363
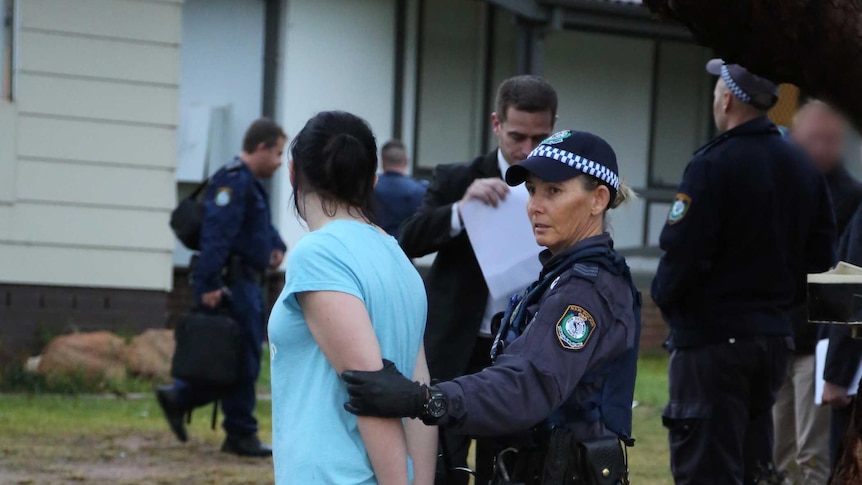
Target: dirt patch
149	457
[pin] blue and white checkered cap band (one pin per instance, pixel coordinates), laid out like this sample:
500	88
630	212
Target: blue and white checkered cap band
578	162
734	88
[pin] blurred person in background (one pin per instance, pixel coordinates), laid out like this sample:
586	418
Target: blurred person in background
397	194
801	427
844	352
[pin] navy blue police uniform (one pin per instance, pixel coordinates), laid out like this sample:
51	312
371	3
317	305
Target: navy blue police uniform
565	356
398	197
573	359
237	224
751	219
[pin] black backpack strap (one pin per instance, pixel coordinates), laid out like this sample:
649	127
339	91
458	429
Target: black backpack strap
199	189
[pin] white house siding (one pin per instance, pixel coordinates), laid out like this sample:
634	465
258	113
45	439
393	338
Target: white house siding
337	54
94	120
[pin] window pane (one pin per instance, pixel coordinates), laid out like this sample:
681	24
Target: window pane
450	96
604	83
683	113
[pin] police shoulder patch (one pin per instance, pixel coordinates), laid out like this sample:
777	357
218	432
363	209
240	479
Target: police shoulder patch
575	328
679	208
223	196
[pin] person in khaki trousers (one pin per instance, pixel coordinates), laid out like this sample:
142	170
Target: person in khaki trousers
801	427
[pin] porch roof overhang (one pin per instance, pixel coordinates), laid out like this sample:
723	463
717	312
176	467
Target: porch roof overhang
625	17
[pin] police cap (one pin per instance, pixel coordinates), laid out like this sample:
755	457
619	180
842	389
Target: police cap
566	155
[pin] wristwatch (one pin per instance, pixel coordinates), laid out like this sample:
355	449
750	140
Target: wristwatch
435	407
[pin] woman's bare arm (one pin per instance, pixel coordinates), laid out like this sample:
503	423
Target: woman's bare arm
421	439
342	328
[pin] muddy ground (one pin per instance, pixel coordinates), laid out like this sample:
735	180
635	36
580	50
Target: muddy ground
148	457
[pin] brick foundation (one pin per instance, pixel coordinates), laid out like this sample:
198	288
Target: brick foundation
30	315
654	330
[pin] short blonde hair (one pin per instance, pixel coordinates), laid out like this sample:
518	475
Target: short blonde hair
624	192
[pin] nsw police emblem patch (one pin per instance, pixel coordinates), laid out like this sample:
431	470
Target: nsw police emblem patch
679	208
222	197
557	137
575	328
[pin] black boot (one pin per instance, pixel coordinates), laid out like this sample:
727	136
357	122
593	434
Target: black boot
174	413
248	445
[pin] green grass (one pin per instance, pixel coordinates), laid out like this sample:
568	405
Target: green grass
55	438
649	460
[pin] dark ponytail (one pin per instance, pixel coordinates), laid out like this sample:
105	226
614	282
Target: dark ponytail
335	156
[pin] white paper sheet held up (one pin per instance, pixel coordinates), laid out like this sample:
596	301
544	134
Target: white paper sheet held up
503	241
820	366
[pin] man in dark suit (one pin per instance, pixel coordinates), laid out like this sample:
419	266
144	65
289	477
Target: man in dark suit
458	334
396	193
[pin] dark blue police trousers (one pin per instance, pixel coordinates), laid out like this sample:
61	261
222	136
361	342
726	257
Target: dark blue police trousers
237	402
719	417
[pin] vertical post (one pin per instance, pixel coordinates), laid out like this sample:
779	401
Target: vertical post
400	53
530	47
420	46
271	39
488	85
653	107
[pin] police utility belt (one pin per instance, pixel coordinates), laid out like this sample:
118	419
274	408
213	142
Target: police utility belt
554	456
563	460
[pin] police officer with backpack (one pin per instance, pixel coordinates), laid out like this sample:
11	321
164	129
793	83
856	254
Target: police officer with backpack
237	245
559	393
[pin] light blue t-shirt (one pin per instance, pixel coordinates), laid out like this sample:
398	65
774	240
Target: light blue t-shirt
314	439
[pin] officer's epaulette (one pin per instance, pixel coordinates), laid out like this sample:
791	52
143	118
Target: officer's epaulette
587	271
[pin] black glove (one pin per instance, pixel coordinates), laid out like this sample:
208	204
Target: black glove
384	393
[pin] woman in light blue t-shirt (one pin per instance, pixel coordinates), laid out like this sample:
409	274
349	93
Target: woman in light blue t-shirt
351	299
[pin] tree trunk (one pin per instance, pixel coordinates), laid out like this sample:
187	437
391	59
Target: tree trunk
814	44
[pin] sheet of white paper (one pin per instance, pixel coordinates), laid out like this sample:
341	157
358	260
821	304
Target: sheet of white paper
502	238
820	366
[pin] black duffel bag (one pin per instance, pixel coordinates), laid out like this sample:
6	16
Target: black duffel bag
208	347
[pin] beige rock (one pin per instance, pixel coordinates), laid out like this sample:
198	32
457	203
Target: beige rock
149	354
95	354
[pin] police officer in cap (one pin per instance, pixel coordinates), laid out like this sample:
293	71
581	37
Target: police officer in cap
238	244
569	344
751	218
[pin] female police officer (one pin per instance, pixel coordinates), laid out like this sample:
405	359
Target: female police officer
567	371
